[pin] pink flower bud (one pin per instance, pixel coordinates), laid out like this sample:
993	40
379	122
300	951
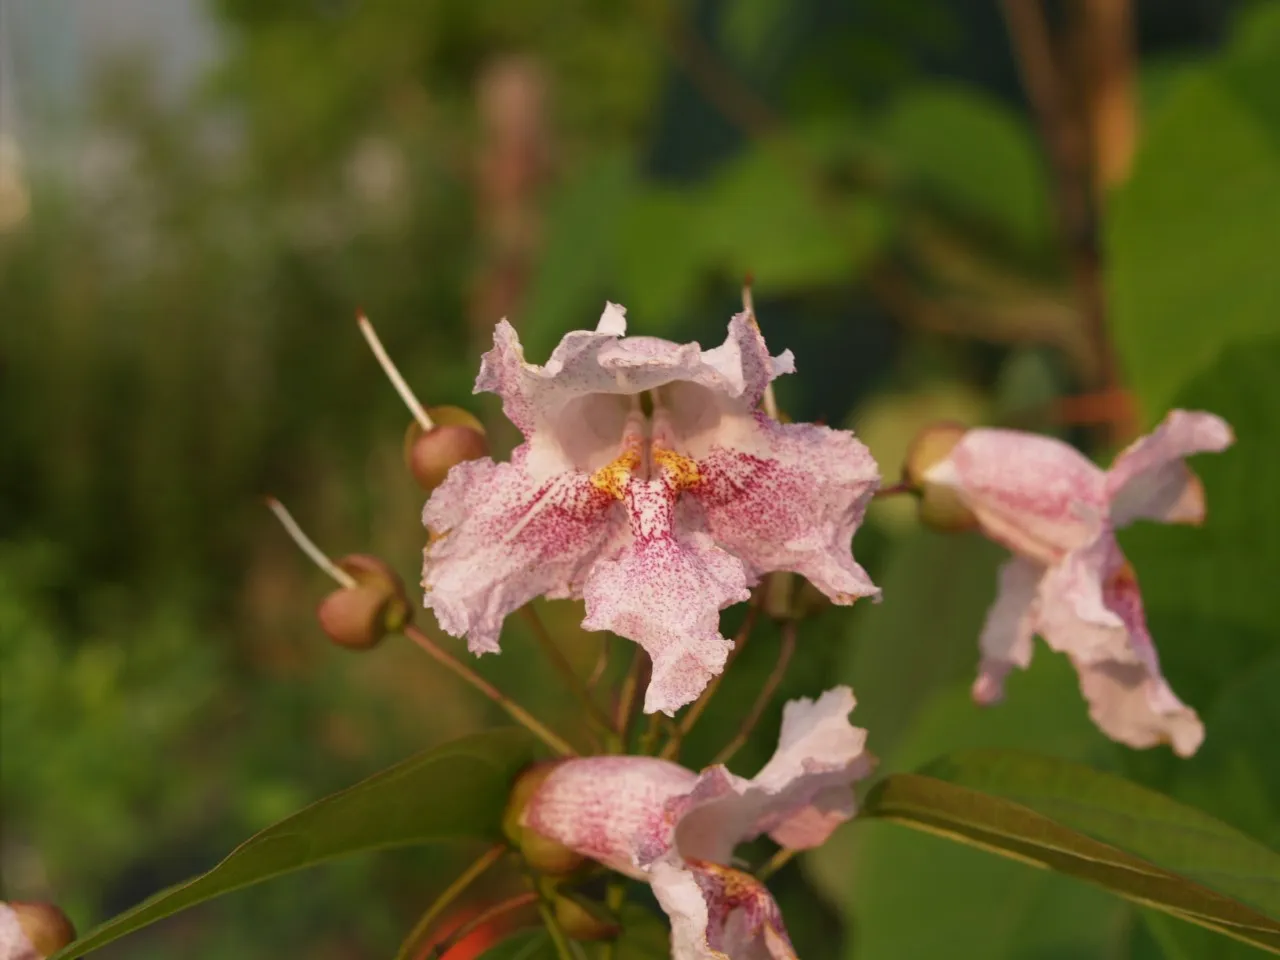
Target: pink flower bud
359	617
33	931
456	437
940	508
543	854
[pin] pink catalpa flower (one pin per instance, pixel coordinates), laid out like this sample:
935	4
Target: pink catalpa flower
658	521
676	830
1068	580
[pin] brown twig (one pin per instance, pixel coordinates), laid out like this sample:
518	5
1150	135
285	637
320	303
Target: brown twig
785	650
628	699
513	709
1063	131
1106	66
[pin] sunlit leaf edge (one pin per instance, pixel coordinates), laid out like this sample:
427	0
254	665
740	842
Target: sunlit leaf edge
1012	830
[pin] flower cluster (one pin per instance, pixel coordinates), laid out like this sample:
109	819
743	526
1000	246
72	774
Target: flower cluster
651	486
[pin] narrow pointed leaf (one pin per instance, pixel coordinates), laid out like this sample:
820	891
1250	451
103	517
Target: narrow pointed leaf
456	792
1097	827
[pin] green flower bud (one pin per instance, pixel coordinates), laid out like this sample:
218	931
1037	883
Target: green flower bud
939	506
359	617
582	919
544	855
456	437
44	925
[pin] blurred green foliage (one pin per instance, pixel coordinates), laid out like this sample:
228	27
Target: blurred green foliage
176	338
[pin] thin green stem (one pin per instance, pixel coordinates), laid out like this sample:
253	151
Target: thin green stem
479	920
785	650
626	703
513	709
451	893
671	750
564	667
614	898
775	863
554	930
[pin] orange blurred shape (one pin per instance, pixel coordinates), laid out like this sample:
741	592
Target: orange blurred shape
1107	406
471	946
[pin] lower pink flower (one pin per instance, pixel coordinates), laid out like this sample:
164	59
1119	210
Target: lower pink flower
676	830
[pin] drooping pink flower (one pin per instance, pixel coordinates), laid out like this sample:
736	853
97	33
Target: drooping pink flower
676	830
1068	580
658	521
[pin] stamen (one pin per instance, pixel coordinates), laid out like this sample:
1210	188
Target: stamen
397	381
613	477
306	544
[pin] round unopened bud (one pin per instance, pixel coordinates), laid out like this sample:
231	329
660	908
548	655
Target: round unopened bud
940	507
544	855
582	919
45	926
360	616
456	437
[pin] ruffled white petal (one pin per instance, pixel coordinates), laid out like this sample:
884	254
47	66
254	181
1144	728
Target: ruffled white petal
790	497
502	537
1149	479
799	797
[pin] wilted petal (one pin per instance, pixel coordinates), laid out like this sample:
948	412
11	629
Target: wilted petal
500	537
799	797
611	808
717	912
665	592
1038	496
1128	697
1149	479
789	497
1009	633
14	943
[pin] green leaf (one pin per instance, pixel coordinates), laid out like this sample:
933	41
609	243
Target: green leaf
975	155
764	216
1097	827
579	253
456	792
979	907
1190	237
